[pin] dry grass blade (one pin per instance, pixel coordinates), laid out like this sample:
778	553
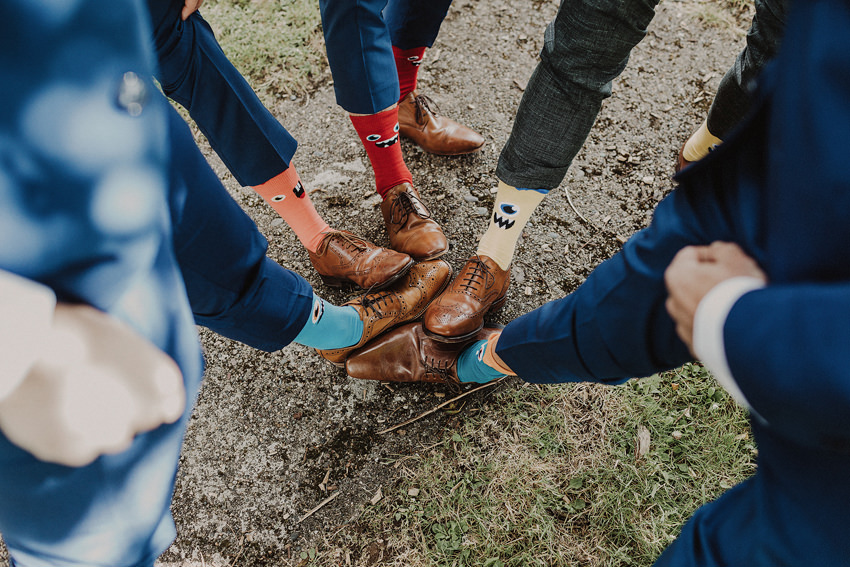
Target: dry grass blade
319	506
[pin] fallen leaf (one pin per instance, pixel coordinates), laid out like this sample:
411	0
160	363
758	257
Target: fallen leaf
642	445
377	497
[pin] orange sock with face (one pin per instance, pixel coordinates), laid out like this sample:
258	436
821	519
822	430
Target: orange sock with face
286	195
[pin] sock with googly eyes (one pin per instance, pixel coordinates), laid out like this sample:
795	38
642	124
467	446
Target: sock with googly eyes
379	134
288	197
330	326
511	212
407	63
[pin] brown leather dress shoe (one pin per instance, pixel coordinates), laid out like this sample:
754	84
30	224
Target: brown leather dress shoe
345	258
418	119
407	354
409	224
404	301
480	286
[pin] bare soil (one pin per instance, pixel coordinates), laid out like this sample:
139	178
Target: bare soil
270	428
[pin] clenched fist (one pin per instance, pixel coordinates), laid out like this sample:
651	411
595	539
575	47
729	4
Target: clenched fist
95	386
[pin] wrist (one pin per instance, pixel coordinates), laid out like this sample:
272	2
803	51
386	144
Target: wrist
26	318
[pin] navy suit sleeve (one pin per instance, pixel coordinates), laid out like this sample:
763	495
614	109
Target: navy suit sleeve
798	379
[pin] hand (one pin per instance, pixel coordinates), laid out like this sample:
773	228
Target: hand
97	385
694	271
189	8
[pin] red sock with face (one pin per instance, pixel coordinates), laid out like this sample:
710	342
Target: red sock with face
379	134
407	63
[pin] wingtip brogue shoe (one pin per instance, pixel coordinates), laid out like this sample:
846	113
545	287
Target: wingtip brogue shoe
343	258
458	313
403	301
419	120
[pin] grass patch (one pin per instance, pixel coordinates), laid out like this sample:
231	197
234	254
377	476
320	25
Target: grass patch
277	45
552	475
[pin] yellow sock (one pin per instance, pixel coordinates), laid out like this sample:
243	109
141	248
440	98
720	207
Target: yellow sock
511	212
700	143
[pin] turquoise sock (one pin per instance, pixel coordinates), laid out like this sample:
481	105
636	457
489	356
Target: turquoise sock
330	326
471	368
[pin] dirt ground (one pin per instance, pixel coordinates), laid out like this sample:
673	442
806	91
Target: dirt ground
270	428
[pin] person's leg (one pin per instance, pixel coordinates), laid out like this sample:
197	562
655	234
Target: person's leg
233	287
366	86
235	290
732	100
194	71
413	26
586	47
255	147
615	325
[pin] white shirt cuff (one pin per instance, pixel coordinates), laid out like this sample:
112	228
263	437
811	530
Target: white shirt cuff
709	321
26	315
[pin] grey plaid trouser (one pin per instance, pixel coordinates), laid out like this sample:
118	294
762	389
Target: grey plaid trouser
585	48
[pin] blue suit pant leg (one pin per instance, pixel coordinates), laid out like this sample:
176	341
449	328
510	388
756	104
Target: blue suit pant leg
234	289
415	23
194	71
359	36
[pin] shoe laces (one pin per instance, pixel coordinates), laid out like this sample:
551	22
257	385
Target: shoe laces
374	302
406	203
441	368
424	106
348	240
475	274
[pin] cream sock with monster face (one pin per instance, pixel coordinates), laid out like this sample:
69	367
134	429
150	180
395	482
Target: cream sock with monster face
511	212
700	143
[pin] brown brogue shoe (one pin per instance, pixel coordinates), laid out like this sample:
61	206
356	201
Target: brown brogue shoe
345	258
419	120
407	354
409	225
480	286
404	301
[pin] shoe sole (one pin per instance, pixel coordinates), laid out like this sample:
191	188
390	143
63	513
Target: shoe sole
465	337
433	256
415	317
339	283
466	153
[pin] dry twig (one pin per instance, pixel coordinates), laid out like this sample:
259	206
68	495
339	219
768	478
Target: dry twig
442	405
319	507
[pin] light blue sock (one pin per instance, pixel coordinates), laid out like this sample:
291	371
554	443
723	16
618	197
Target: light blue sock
330	326
471	368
